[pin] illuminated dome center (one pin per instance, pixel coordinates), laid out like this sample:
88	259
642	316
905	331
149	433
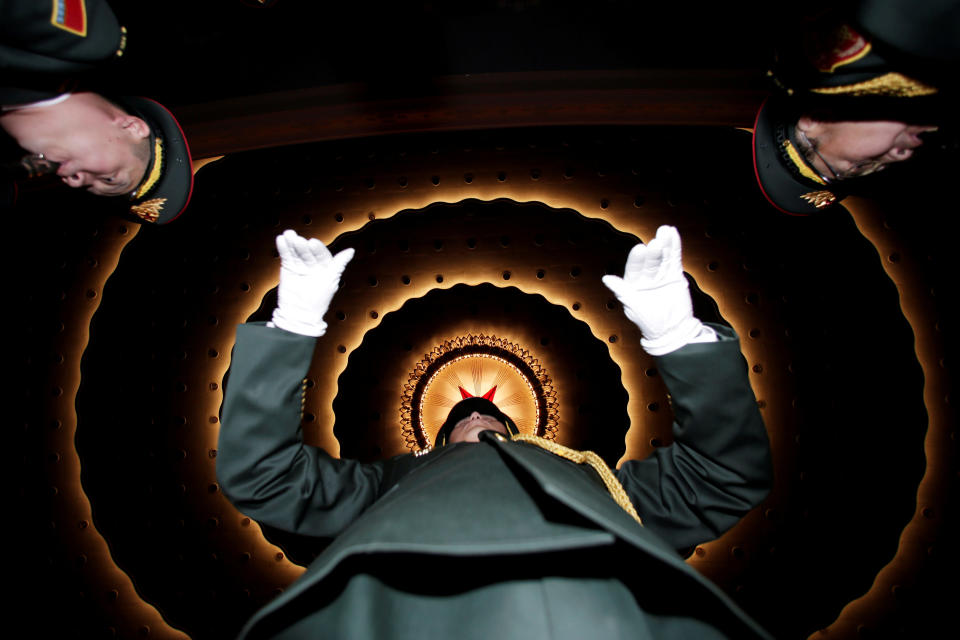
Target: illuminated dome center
477	366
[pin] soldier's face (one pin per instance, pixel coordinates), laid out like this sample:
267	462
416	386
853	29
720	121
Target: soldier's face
101	159
98	146
470	428
856	148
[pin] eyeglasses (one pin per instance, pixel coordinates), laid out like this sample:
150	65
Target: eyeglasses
863	168
36	164
813	148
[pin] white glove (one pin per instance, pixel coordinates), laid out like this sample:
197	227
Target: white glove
309	276
655	295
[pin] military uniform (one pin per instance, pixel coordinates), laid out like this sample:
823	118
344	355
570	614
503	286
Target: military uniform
45	49
497	538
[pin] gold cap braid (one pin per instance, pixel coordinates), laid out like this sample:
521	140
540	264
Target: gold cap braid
891	84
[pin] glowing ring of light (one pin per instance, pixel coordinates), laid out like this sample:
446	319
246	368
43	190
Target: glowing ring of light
525	391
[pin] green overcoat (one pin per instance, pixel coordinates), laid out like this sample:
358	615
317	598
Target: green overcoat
497	538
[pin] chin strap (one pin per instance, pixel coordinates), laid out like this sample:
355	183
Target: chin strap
616	490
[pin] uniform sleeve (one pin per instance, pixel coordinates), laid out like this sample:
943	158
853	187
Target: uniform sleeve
718	467
262	464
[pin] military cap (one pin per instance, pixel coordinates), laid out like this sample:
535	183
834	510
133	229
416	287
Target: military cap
788	181
464	408
167	184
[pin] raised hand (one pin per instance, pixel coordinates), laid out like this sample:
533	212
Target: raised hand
309	276
655	295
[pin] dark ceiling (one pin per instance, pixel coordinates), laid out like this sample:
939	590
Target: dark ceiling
189	52
845	318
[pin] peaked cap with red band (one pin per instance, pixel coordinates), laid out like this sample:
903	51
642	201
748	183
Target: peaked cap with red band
167	185
783	174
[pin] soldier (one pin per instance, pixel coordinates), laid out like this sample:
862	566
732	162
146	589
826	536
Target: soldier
122	146
855	94
493	533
